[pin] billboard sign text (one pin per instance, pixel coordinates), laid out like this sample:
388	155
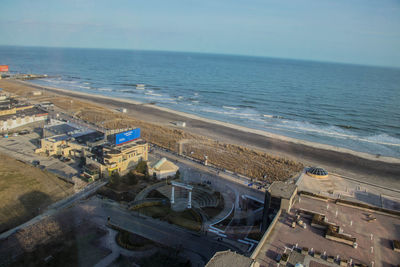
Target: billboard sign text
4	68
127	136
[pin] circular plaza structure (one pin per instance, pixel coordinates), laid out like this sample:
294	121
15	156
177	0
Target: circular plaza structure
317	172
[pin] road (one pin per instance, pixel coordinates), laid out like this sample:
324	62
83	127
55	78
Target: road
166	234
56	207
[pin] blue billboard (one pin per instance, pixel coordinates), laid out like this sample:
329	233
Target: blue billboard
127	136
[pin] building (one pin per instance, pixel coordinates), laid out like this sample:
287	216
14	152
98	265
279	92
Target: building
124	157
56	127
91	171
279	196
163	169
60	145
66	139
283	194
14	114
317	172
230	258
119	152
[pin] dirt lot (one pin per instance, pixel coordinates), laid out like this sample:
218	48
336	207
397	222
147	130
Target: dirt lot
25	190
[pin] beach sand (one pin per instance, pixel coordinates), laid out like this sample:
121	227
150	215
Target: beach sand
384	171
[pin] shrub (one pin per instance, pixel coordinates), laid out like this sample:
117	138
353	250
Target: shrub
131	178
115	179
142	167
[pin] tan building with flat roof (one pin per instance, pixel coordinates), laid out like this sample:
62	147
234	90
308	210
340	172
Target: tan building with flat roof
60	145
125	157
283	192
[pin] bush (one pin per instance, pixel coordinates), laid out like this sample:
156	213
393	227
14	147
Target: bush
131	178
142	167
115	179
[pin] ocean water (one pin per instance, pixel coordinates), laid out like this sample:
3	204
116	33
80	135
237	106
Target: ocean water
350	106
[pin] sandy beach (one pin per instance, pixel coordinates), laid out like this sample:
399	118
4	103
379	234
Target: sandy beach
375	169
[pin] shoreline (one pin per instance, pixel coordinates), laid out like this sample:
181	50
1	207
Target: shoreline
316	145
357	165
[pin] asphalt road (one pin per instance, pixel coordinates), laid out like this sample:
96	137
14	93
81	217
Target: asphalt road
166	234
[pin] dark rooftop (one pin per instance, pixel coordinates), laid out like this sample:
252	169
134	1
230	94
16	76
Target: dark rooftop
60	128
90	137
25	112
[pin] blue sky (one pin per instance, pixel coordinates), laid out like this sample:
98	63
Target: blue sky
353	31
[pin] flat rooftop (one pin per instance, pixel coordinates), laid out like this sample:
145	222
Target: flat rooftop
60	128
282	190
229	258
336	186
23	113
352	220
118	149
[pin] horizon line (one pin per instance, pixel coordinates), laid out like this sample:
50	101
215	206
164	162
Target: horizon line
211	53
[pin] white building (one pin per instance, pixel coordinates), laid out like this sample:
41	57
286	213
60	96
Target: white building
163	168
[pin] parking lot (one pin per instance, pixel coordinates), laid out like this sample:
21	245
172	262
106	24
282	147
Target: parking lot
22	147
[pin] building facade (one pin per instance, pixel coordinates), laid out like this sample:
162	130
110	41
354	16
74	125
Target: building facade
125	157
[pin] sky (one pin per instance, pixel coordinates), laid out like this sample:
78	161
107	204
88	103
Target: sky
350	31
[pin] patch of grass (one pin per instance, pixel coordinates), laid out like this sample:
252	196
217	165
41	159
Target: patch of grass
115	195
188	218
156	194
223	224
211	212
157	212
132	241
25	191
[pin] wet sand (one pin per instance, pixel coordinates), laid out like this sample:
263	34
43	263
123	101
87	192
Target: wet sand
384	171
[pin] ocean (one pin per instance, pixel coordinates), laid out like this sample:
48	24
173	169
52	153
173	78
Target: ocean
350	106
